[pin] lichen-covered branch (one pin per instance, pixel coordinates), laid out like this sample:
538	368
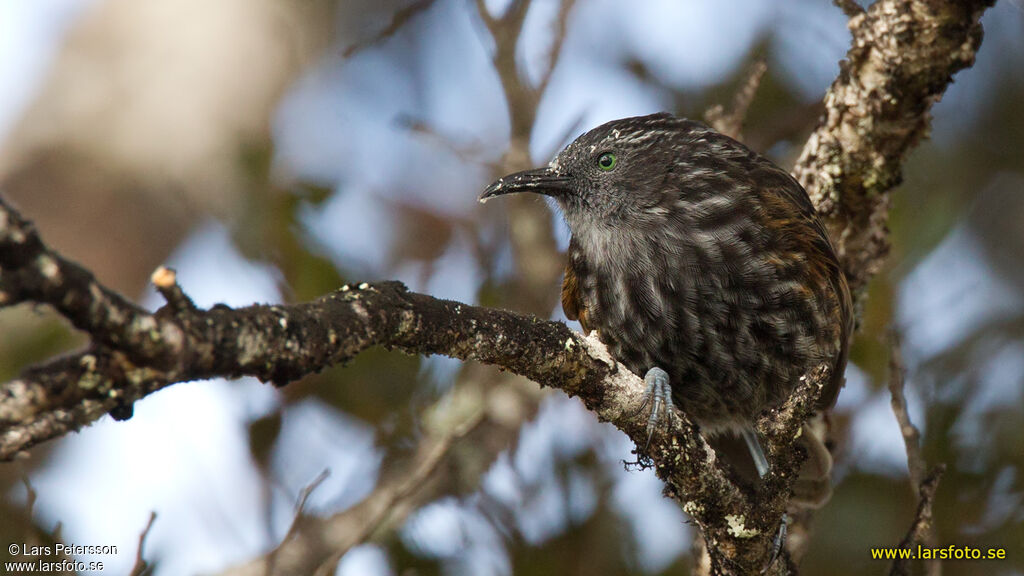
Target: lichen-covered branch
30	272
280	344
284	343
902	57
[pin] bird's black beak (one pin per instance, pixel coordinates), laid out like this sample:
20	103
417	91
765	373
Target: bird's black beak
540	181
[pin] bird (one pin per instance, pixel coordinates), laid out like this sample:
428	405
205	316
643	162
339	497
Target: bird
705	270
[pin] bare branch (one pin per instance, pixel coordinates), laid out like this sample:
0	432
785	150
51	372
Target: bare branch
561	27
269	564
922	524
317	542
142	567
307	491
849	7
780	425
398	19
485	16
731	123
917	467
911	435
283	343
30	508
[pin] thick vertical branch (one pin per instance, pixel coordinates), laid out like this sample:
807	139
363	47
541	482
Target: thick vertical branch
902	57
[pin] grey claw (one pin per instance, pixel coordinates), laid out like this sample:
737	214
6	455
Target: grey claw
778	542
658	394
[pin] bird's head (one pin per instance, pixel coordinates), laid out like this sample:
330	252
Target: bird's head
618	173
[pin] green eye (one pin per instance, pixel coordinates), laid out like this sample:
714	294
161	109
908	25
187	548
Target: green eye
607	161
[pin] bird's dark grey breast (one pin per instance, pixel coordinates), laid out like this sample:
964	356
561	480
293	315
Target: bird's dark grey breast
735	311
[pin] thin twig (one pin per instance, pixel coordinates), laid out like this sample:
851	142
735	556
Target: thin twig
571	129
485	16
916	465
561	26
731	123
849	7
142	567
30	506
423	471
398	19
921	527
911	435
355	526
300	507
466	152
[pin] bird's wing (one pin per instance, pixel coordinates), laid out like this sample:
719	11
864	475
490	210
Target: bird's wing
777	182
832	269
572	299
831	391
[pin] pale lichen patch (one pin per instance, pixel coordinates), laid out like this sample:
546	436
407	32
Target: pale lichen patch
597	350
360	311
90	380
737	527
88	362
48	267
693	508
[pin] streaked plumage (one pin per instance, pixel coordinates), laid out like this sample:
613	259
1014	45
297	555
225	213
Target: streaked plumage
696	255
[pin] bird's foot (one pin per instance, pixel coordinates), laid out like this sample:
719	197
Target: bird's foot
761	463
778	542
658	394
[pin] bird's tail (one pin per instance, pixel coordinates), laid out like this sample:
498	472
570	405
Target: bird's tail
813	486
